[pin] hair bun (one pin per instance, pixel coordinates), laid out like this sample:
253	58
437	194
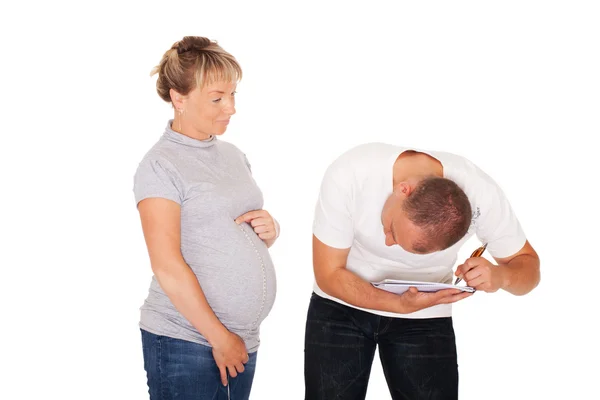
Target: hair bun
188	43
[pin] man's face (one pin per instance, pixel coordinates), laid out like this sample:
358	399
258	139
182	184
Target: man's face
398	229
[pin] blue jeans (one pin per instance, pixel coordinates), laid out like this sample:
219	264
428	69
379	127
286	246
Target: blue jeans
418	356
182	370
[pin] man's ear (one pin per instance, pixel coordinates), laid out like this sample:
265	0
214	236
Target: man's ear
403	189
177	99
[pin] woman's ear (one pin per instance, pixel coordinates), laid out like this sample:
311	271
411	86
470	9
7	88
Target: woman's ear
177	99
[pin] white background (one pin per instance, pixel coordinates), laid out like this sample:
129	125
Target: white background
513	86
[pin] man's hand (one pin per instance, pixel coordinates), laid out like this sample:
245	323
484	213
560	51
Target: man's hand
230	354
481	274
263	223
414	300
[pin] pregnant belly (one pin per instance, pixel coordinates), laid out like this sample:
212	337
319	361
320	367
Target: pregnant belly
237	277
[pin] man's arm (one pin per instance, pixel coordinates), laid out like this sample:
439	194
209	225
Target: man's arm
521	271
518	274
334	279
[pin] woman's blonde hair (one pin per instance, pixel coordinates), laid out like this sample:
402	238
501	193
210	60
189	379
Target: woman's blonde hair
192	62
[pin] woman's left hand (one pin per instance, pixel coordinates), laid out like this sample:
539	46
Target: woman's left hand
264	225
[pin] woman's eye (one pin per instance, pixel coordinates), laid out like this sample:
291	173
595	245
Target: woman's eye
216	100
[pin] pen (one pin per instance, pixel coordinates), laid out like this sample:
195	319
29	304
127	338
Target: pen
476	253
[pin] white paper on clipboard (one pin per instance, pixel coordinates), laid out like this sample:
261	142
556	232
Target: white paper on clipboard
399	286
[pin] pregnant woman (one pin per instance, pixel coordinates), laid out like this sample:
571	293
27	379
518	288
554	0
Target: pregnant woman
207	236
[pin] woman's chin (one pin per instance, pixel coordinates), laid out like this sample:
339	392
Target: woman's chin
219	132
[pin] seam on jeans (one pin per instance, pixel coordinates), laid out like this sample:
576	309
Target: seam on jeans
384	329
159	360
376	330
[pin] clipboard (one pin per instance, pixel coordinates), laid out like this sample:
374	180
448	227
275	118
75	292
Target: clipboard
400	286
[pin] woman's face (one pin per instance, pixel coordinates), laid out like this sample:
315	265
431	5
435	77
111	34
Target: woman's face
207	111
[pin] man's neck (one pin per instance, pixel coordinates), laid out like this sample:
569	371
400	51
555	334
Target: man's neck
412	165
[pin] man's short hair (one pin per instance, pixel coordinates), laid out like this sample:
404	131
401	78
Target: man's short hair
441	209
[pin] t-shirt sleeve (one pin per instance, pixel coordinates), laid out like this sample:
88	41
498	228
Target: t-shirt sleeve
155	178
498	225
332	223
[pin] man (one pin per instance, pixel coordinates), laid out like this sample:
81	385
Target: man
390	212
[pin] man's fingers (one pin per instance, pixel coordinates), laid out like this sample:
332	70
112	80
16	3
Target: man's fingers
472	274
446	292
454	298
470	264
223	373
442	295
458	271
476	282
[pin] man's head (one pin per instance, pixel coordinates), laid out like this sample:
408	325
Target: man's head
426	215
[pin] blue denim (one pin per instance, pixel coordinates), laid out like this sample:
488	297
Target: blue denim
418	356
182	370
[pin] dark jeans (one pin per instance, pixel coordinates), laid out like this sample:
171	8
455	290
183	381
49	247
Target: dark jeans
182	370
418	356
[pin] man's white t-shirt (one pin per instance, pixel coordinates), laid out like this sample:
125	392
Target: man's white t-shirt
348	215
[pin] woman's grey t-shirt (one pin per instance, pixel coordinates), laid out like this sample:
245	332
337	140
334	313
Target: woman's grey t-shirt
212	182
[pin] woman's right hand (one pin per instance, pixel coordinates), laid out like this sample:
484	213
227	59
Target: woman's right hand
230	354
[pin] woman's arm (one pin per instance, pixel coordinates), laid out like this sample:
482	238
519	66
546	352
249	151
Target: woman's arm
161	223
